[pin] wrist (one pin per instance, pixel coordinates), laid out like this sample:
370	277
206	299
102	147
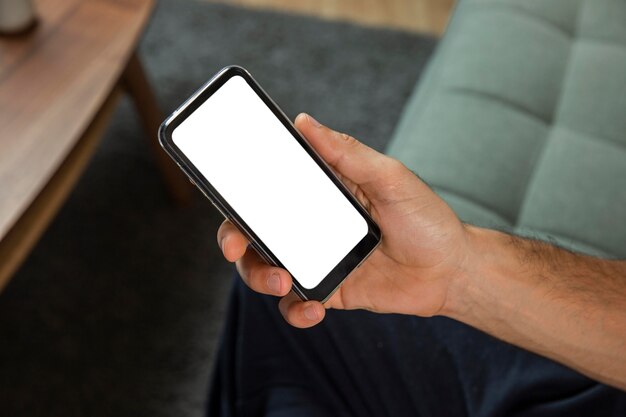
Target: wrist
485	249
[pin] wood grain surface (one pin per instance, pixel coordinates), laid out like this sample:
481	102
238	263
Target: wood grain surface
423	16
58	88
21	238
53	82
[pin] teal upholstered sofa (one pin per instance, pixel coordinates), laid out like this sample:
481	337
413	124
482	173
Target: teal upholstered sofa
519	122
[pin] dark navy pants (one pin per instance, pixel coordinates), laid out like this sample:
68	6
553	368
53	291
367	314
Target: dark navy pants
362	364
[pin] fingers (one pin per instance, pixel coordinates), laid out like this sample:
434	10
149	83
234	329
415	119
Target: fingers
349	157
231	241
261	277
267	279
256	273
300	313
271	280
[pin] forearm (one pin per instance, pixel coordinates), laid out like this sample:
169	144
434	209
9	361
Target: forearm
568	307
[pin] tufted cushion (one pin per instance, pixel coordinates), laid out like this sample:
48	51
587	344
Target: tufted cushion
520	120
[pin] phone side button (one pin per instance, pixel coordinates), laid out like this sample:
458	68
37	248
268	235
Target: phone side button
220	210
209	198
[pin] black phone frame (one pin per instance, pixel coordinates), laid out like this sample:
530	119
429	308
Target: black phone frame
350	262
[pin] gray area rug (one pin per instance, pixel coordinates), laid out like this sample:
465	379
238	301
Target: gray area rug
118	310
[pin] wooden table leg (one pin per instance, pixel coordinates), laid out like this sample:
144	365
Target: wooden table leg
136	84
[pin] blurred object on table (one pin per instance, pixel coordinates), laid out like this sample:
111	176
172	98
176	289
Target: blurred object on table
17	16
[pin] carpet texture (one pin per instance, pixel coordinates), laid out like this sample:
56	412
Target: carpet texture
118	309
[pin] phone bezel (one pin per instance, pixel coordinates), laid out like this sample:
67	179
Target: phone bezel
350	262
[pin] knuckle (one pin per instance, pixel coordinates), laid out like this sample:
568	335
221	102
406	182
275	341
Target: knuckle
396	165
257	276
350	140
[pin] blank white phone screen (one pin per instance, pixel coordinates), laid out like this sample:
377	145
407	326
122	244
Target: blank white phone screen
266	176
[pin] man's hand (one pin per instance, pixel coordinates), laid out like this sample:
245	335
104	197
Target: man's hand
423	249
566	306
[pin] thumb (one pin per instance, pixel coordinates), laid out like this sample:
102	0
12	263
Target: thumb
358	162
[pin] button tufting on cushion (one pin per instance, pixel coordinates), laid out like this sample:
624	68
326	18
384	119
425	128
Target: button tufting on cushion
519	123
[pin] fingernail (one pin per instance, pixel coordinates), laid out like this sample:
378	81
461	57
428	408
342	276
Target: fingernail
313	121
310	313
273	282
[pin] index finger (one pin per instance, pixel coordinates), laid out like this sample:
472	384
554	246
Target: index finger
231	241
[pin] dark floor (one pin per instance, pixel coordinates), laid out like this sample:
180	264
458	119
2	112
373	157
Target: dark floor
118	309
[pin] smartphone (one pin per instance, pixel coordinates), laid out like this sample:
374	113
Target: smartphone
248	159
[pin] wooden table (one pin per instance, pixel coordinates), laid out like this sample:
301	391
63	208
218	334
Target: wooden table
58	88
